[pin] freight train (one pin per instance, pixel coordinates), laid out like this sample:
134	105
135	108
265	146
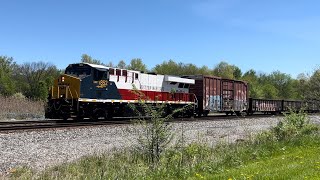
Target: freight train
96	91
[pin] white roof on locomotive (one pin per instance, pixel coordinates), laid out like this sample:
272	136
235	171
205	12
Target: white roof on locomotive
97	66
105	67
167	78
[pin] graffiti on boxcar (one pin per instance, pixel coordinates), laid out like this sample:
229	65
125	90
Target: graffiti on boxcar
213	103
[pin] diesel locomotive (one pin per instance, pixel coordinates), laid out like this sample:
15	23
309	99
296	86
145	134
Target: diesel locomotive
96	91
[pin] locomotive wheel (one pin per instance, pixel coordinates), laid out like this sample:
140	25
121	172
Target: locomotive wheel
100	113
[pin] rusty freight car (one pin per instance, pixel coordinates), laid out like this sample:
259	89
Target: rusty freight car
208	92
234	96
266	106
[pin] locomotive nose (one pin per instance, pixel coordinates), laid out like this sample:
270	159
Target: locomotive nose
66	87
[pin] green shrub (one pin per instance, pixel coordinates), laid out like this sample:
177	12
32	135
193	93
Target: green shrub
294	124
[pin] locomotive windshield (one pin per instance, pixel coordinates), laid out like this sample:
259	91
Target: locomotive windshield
83	70
100	74
78	71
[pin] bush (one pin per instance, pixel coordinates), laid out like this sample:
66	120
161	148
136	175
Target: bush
294	124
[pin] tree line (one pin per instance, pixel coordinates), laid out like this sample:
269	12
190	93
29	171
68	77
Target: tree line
32	79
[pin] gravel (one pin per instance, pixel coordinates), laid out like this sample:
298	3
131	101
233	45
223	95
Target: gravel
46	148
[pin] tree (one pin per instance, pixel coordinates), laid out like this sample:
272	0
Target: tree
180	69
300	86
314	86
283	82
237	73
34	76
250	76
122	64
255	90
88	59
170	67
204	70
7	86
109	64
188	69
269	92
225	70
138	65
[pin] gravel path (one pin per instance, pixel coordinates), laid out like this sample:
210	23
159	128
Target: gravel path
42	149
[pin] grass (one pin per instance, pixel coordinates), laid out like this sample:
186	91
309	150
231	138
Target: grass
288	151
20	108
289	162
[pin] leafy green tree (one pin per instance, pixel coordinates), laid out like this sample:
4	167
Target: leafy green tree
7	86
41	92
204	70
301	86
34	76
180	69
138	65
167	67
269	92
283	82
237	73
255	90
314	86
85	58
122	64
225	70
250	76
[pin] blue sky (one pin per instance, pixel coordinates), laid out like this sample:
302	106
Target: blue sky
262	35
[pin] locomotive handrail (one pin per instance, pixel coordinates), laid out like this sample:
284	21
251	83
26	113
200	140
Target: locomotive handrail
70	95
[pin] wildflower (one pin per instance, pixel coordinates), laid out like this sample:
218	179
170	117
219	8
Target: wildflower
199	176
229	178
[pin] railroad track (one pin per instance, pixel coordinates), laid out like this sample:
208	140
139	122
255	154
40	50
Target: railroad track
11	126
39	125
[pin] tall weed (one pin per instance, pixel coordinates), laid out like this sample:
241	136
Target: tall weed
19	107
294	124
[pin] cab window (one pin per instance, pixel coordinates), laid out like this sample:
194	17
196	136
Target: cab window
98	75
111	70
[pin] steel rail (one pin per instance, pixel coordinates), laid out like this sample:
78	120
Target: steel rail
13	126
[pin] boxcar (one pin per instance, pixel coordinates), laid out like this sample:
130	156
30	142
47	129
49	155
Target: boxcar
234	96
208	92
